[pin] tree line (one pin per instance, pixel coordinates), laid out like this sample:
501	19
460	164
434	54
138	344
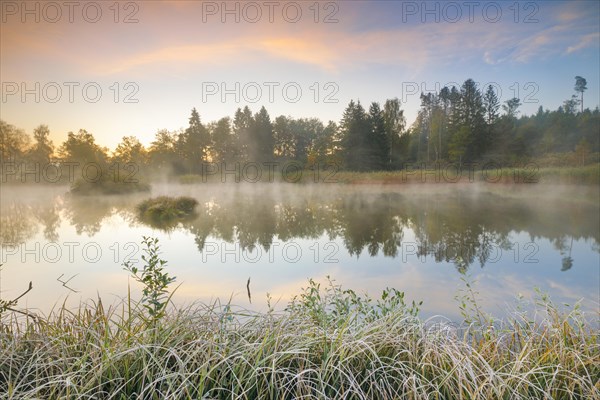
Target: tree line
454	125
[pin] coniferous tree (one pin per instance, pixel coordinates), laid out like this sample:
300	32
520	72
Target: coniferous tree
491	104
195	143
580	86
444	101
395	123
377	141
242	123
223	141
427	107
283	138
354	137
472	115
261	144
348	138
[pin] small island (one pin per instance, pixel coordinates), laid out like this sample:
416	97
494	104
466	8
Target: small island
164	211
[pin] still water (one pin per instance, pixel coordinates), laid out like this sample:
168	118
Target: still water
421	239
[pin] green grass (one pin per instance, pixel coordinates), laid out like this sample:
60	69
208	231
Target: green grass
589	175
329	343
108	185
551	175
580	175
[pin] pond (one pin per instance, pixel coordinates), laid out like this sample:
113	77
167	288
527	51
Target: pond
420	239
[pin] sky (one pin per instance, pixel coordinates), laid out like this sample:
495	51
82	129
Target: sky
132	68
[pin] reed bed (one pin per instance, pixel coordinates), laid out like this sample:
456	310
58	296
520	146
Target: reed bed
588	175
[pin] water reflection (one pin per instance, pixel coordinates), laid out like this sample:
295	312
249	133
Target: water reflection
464	227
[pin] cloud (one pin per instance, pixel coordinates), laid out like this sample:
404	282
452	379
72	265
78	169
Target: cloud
585	41
303	51
329	54
169	38
487	57
171	55
223	53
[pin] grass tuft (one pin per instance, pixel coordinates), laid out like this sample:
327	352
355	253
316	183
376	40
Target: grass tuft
165	212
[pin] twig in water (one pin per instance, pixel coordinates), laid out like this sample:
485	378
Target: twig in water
248	288
64	283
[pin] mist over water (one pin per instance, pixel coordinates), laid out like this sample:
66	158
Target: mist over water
421	239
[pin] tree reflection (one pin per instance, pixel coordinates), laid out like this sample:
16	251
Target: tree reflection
49	217
456	227
86	214
20	221
567	262
17	224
